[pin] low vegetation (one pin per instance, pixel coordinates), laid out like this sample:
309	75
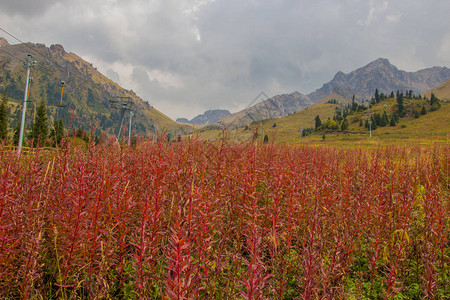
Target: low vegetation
224	221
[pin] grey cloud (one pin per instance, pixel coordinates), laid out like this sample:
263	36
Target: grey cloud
26	7
245	46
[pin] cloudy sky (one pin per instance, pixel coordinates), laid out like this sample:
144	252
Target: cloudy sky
187	56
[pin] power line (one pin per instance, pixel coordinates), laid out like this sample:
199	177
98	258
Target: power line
52	60
33	49
12	56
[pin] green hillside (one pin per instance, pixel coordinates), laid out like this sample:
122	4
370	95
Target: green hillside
442	91
86	97
435	124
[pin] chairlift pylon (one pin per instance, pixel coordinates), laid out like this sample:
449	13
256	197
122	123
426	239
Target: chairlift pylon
62	83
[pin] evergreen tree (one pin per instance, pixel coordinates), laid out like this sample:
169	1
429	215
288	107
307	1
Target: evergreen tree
434	101
266	139
377	119
384	119
374	124
424	110
318	122
17	133
395	117
354	104
416	114
57	132
377	96
400	105
360	123
39	129
4	117
392	122
344	125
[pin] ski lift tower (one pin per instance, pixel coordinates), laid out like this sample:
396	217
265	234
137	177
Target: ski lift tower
124	104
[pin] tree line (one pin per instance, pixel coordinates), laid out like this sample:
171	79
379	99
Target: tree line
375	120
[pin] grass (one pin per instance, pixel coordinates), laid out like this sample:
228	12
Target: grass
432	126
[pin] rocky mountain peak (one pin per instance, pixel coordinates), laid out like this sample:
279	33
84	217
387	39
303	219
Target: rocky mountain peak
382	75
339	76
208	117
381	64
58	49
3	42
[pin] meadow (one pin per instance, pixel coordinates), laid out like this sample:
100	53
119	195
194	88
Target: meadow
204	220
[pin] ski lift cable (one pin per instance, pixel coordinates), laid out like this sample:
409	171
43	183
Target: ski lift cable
10	55
52	60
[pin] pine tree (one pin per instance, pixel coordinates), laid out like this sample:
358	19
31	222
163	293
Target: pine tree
344	125
4	117
39	129
374	123
434	101
424	110
17	133
377	96
384	119
400	105
377	119
318	122
354	104
392	122
57	132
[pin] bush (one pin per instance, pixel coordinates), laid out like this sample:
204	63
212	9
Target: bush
211	220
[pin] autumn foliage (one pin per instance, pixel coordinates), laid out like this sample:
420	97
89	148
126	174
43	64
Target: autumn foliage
198	220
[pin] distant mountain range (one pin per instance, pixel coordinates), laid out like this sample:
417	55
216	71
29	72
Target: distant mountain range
379	74
208	117
382	75
275	107
86	91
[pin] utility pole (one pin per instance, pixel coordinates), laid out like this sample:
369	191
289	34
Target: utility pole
129	129
29	63
124	104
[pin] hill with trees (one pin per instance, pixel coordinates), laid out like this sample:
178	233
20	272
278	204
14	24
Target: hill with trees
86	96
400	114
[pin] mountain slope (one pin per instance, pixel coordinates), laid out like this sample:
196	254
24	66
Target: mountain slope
379	74
87	92
442	91
382	75
208	117
275	107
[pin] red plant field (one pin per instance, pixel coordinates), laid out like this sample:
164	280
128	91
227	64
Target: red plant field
197	220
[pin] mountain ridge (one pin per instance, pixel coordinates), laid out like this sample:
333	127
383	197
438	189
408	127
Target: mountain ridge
208	117
274	107
382	75
379	74
86	91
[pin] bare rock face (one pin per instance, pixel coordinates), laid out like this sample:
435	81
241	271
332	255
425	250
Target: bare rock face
382	75
275	107
3	42
210	116
58	49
